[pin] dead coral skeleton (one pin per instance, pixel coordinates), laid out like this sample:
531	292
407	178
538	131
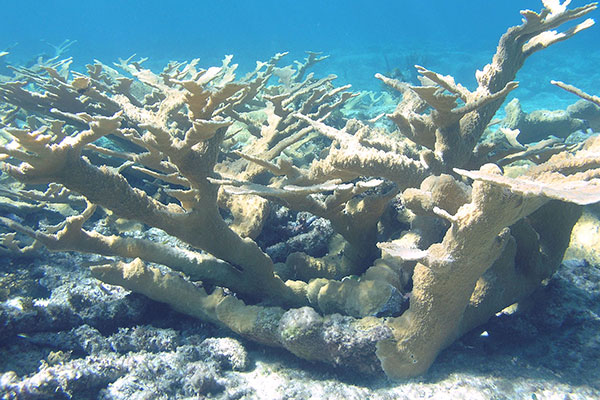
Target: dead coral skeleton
173	150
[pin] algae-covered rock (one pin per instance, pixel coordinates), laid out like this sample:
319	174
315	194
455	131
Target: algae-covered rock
585	237
540	124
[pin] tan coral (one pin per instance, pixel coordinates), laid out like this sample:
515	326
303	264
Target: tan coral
451	129
171	127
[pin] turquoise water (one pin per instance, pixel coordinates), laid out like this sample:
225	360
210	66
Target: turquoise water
362	37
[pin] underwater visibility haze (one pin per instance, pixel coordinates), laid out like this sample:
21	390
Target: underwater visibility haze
353	32
277	199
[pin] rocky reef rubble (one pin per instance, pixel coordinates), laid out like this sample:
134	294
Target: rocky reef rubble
549	348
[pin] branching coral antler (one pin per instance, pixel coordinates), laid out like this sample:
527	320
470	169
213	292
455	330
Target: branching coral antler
350	158
577	92
459	116
450	278
395	313
193	156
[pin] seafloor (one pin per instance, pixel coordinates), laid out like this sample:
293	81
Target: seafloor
88	340
96	341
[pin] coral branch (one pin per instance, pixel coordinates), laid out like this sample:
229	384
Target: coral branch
431	239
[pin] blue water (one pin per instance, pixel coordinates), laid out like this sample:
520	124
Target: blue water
363	37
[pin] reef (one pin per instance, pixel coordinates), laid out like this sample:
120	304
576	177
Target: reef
432	227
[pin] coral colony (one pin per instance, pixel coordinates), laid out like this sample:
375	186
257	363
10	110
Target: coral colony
206	157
